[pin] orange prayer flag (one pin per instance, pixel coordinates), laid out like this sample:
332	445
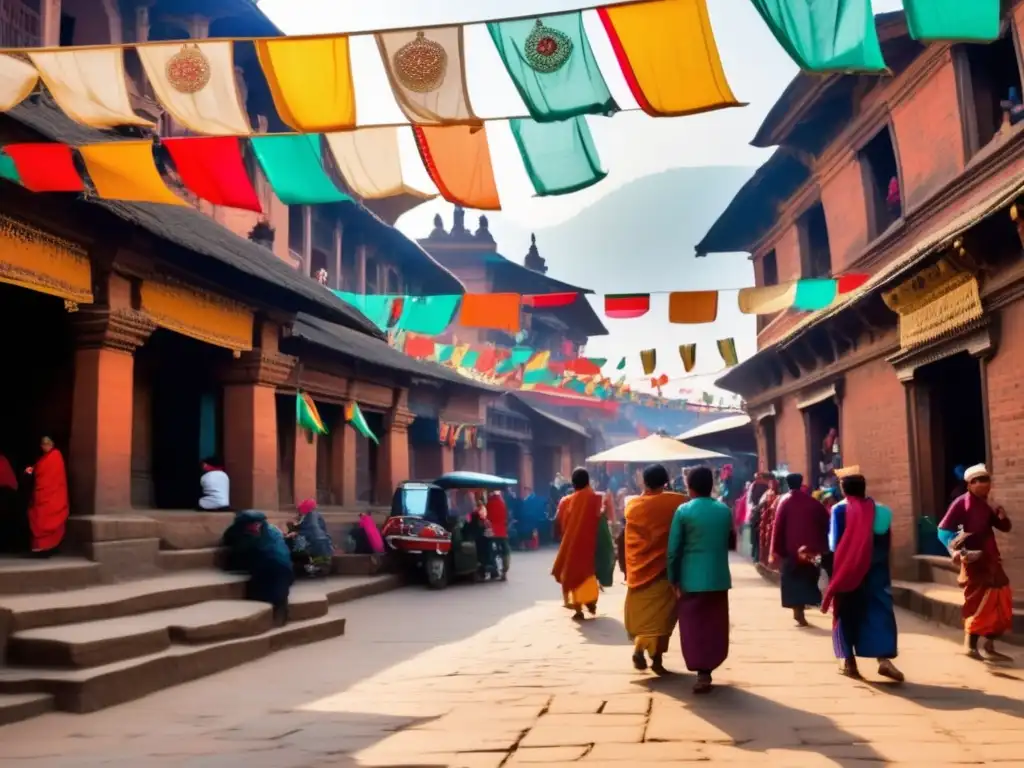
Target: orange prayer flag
498	311
693	307
458	159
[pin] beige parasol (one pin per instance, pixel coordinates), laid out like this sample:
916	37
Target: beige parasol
653	449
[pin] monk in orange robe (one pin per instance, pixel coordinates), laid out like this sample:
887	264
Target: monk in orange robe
577	518
48	513
651	603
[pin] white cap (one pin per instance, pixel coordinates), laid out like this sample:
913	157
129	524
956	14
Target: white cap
972	473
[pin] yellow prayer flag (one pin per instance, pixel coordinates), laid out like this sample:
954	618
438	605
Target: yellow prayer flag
125	170
667	51
538	361
767	299
457	354
649	360
688	352
310	81
727	349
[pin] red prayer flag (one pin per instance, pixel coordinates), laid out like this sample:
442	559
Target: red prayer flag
419	346
46	167
847	283
212	167
487	360
583	366
549	300
624	306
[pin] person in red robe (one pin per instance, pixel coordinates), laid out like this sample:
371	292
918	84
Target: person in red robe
578	519
798	538
48	512
497	514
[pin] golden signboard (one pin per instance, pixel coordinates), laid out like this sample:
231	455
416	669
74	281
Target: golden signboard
936	301
200	315
33	259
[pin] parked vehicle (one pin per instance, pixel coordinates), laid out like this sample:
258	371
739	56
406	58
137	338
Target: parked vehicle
432	538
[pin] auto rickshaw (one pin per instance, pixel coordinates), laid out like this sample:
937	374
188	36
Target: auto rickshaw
431	537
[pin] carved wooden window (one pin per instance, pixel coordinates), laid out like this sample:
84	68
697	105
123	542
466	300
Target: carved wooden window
987	75
815	252
881	182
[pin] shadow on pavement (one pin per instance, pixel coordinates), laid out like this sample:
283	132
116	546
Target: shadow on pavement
757	724
951	699
603	630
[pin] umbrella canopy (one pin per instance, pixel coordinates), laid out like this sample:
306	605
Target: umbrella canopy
653	449
717	426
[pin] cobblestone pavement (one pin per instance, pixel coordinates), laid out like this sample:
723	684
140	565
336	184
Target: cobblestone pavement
497	675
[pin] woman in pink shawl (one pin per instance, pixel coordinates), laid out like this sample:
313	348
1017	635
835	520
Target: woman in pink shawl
860	589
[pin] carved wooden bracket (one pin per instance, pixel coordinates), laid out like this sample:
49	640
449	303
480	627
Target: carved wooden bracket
258	367
124	330
979	340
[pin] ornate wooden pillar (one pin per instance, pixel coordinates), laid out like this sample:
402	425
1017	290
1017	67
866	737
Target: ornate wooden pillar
250	427
393	464
525	469
100	446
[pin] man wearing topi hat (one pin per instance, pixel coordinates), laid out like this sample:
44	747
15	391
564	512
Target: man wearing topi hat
864	621
968	532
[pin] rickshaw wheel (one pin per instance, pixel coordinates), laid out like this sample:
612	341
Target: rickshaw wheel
436	568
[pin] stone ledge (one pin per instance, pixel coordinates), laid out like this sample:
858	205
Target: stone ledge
91	528
942	604
937	569
17	707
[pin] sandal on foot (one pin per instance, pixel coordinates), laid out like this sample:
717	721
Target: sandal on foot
578	616
658	667
888	669
703	684
592	607
850	671
639	661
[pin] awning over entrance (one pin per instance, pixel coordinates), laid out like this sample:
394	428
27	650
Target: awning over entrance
33	259
733	435
200	315
656	448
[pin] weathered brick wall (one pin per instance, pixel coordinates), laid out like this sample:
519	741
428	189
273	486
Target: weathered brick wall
929	137
787	254
1006	422
846	213
874	436
791	436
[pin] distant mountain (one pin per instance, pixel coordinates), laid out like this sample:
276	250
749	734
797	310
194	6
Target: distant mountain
627	239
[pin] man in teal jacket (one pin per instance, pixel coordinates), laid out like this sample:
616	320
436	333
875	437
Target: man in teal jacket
698	568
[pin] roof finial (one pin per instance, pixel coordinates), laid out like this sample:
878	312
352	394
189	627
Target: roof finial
533	258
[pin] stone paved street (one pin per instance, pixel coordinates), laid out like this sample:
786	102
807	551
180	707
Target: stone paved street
497	675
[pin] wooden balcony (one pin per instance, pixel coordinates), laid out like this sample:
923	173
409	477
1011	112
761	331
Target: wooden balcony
20	24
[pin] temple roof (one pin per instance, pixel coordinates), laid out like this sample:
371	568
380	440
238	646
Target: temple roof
229	256
346	342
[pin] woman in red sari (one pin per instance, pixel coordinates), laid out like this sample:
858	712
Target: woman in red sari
48	512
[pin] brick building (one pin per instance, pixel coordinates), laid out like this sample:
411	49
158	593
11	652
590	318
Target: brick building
913	179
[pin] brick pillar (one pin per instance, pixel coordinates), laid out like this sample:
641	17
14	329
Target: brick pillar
447	459
250	428
393	462
343	456
565	462
304	466
525	469
100	447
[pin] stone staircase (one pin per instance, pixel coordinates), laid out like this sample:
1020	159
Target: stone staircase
935	595
72	641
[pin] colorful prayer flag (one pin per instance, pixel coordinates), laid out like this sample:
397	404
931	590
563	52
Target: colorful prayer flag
626	306
212	167
549	300
727	349
621	364
851	282
688	352
458	160
692	307
307	416
649	360
354	416
954	20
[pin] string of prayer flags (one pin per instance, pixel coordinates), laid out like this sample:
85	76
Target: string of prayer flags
521	355
310	82
688	353
444	352
8	170
370	161
727	349
213	168
307	416
538	361
458	354
469	359
552	66
293	164
376	307
427	73
550	300
126	170
354	416
429	315
89	85
45	167
668	55
649	360
829	36
692	307
627	306
560	158
766	299
458	160
418	346
17	80
850	283
496	311
955	20
197	85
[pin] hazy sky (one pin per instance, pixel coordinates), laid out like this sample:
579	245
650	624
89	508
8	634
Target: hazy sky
631	144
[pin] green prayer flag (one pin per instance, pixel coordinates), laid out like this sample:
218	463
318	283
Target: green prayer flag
376	307
540	376
354	416
553	67
826	35
812	295
598	361
957	20
469	359
521	355
576	386
444	352
621	365
505	366
293	164
307	416
429	315
560	158
8	170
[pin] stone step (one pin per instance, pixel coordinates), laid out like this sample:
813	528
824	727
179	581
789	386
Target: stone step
94	688
21	575
111	601
190	559
95	643
942	604
15	707
937	570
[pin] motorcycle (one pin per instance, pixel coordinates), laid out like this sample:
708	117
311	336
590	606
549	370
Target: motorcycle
431	538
